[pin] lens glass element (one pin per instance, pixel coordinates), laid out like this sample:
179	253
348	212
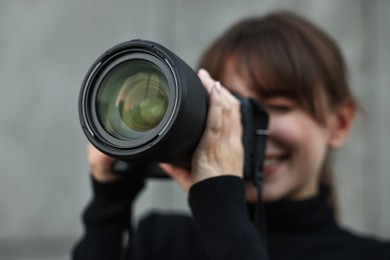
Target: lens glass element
132	99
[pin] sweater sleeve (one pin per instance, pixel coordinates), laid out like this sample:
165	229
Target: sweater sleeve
106	220
219	208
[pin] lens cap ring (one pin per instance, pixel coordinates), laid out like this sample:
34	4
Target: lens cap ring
106	70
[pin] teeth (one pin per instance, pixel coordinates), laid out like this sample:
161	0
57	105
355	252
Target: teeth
269	161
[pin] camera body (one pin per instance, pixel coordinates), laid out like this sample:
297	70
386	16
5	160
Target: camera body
140	103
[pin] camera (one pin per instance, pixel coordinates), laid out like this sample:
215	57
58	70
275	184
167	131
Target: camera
141	104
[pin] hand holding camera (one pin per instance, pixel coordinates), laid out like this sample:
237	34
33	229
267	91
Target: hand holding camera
101	165
220	150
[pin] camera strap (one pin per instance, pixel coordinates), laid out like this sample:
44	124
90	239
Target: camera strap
259	218
255	124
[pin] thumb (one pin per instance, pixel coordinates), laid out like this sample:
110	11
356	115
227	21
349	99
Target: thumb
180	175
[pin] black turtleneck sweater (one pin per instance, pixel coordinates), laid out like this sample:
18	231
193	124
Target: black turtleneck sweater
220	228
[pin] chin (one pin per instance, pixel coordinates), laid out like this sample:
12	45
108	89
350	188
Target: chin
267	198
272	194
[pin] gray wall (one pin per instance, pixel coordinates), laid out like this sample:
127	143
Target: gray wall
46	48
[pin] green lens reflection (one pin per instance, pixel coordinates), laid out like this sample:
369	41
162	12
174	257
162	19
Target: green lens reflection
133	99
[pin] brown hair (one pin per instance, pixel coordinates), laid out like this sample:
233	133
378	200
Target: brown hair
282	54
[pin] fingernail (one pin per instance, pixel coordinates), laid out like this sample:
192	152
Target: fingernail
204	72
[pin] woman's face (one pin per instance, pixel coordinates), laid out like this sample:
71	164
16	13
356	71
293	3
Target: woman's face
295	150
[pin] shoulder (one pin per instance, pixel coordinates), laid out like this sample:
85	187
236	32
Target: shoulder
351	243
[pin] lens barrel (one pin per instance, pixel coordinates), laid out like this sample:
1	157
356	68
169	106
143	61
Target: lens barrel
141	103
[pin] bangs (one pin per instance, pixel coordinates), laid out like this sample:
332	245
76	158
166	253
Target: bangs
274	64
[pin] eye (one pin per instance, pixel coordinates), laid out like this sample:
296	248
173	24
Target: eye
279	108
279	105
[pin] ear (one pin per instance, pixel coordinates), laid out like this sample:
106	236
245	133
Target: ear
340	124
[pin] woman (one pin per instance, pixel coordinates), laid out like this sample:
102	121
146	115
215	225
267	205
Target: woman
297	72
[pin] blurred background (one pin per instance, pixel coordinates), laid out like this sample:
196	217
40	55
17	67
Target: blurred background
47	46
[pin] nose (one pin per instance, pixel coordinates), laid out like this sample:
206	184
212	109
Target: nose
271	132
271	126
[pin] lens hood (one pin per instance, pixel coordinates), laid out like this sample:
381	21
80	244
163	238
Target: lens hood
177	133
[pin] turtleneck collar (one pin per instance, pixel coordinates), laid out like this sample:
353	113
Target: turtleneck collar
303	216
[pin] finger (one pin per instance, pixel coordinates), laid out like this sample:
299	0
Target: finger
228	97
97	157
214	117
101	165
231	128
207	81
232	112
225	105
208	148
180	175
214	121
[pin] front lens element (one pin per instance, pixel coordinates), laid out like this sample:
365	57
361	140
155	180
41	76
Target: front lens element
132	99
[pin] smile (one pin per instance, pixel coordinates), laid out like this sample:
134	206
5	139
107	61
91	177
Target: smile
272	163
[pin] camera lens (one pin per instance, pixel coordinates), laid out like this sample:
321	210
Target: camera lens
133	99
140	103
